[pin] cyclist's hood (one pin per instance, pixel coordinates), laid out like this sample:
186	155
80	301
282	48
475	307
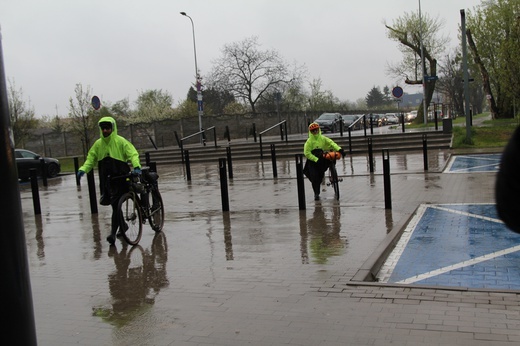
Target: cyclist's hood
114	128
312	135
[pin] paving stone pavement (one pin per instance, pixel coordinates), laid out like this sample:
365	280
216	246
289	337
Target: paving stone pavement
265	273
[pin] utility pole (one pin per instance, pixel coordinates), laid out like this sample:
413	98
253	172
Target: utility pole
466	76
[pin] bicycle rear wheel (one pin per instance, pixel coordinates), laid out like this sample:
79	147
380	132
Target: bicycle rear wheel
156	217
131	217
334	180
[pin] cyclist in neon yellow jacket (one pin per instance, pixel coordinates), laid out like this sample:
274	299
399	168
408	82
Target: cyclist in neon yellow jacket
112	154
316	165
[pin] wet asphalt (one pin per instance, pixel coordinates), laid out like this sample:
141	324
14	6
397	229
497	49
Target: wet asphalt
264	273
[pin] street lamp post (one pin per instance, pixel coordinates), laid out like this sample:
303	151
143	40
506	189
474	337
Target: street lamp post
425	108
198	84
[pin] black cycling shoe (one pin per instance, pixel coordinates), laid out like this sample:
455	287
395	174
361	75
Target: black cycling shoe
316	197
111	239
122	229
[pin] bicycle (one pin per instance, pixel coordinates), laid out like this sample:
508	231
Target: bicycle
134	205
334	180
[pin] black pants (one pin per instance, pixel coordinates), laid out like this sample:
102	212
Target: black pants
116	189
315	171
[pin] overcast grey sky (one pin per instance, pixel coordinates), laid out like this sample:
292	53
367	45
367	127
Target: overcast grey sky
122	47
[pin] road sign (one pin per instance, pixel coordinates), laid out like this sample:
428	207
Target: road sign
397	92
430	78
96	103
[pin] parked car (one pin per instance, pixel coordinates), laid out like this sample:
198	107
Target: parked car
392	118
349	119
329	122
410	116
25	160
377	120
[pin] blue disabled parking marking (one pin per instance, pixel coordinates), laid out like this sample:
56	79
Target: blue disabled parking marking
463	245
474	163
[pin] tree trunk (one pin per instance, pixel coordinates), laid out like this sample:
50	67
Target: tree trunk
485	76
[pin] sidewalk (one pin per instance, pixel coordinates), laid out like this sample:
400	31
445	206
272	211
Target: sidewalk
265	273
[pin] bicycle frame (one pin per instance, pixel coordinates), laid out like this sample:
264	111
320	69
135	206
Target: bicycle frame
334	180
140	187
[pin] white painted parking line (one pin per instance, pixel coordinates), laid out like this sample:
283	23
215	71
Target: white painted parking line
492	219
459	265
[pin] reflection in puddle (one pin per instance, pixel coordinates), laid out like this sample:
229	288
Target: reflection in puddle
323	234
40	252
228	239
389	220
138	277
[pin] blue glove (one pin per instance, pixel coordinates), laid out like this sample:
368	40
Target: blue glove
137	171
80	174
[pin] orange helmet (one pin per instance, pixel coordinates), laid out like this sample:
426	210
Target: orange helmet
313	126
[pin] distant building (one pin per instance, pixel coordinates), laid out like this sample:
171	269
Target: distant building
411	100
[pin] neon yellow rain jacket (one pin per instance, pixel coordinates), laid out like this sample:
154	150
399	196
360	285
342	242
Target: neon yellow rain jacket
318	141
113	146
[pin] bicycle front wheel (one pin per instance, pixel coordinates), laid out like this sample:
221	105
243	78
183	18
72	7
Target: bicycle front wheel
156	211
334	180
131	218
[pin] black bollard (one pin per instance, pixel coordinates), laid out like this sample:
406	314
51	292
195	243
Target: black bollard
349	140
300	181
188	166
370	155
43	167
261	150
223	184
76	169
153	166
386	179
35	193
254	131
147	158
425	152
341	128
402	121
230	163
227	134
92	192
273	160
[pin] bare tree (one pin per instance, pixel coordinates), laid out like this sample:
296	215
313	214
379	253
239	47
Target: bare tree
84	118
320	100
251	74
21	115
410	30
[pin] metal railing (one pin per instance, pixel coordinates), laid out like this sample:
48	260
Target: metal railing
283	130
181	141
